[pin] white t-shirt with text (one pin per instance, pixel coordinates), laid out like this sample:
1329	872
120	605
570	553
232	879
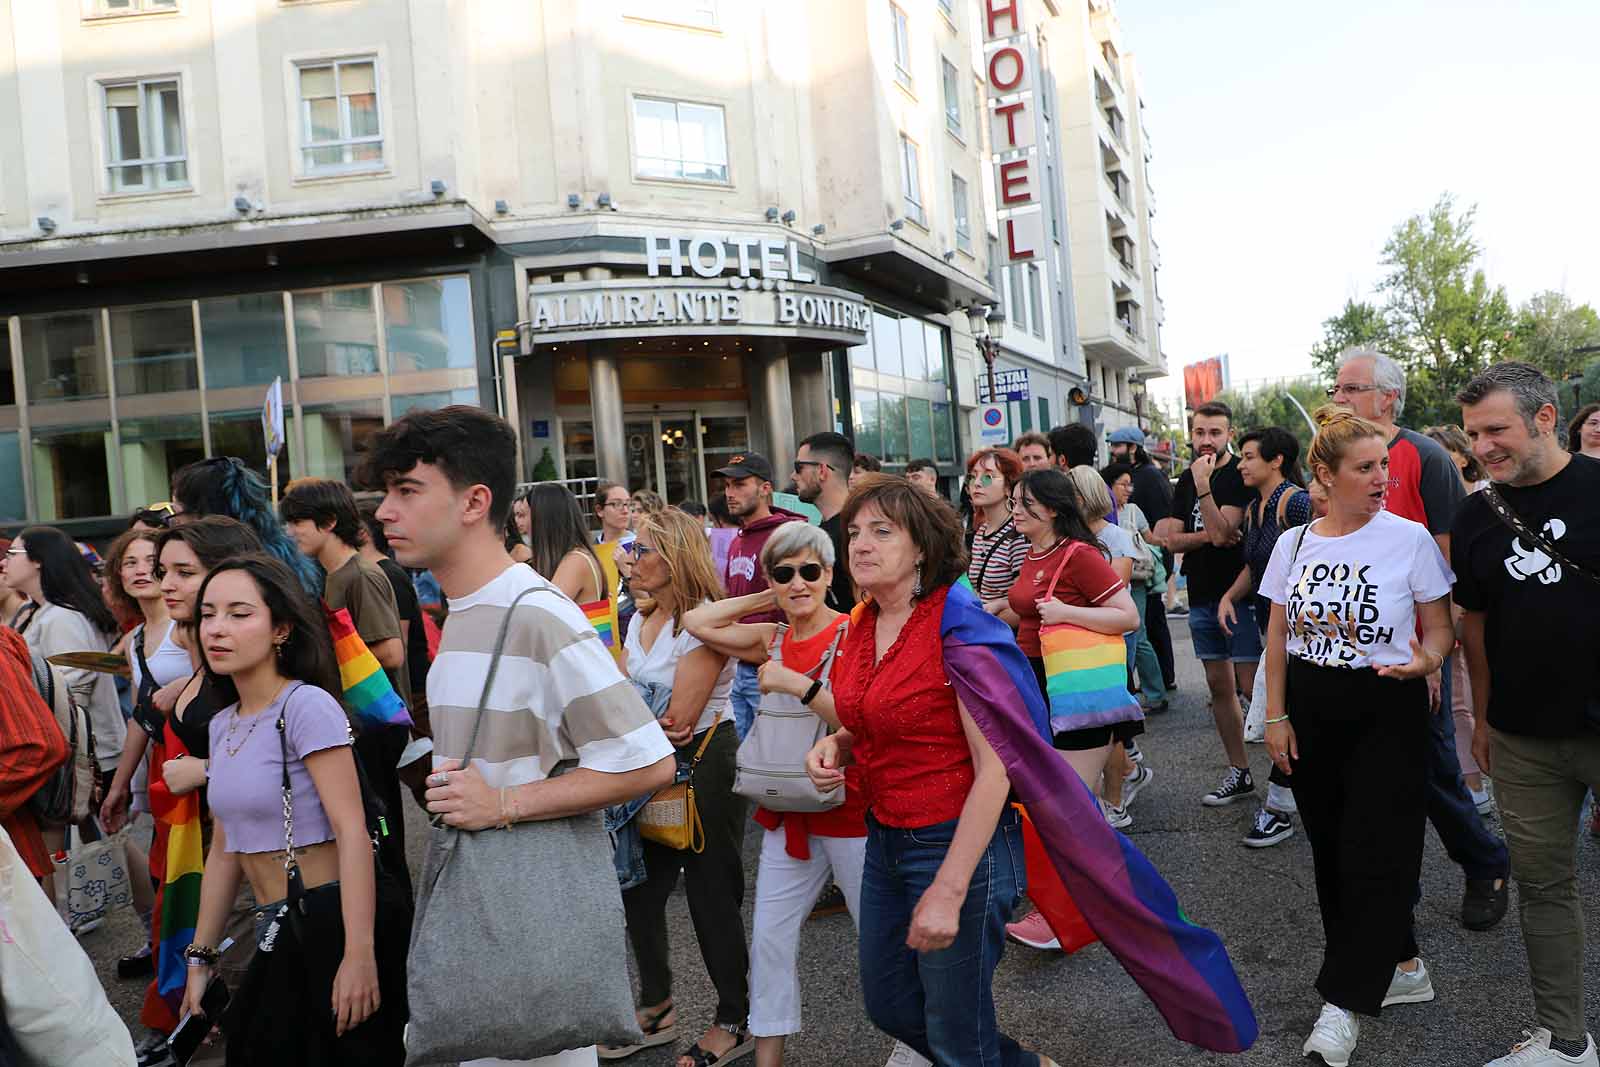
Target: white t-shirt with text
1351	601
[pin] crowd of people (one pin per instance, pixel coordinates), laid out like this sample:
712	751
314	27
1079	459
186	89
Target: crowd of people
930	710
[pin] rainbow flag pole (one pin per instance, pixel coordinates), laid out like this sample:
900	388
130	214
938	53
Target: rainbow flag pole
366	687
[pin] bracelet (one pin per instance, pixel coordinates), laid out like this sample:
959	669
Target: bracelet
507	818
1202	496
200	955
811	694
1280	718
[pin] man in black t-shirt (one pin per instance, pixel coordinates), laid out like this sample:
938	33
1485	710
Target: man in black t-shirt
1153	495
822	469
1207	510
1530	636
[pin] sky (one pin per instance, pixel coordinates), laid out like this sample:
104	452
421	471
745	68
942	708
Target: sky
1290	137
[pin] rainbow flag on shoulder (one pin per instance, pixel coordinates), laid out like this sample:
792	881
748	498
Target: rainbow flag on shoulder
1183	968
366	688
176	859
602	615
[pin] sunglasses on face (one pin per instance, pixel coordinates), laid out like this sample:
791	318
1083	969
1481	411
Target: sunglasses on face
784	573
800	465
986	480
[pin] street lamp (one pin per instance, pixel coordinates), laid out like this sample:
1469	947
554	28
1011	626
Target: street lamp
988	323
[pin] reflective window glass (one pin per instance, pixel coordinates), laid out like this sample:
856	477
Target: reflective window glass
429	401
152	349
917	414
868	438
892	419
238	433
152	450
886	343
244	340
911	351
428	325
12	502
8	385
61	356
933	341
337	436
944	434
71	477
335	333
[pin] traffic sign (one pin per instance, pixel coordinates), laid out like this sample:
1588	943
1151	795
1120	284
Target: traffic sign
992	425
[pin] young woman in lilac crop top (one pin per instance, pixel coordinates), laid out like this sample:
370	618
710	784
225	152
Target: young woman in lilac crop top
258	629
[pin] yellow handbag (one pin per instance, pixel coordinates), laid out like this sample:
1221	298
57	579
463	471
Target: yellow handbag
670	817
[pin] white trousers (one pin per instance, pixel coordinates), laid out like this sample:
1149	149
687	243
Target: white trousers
578	1057
786	889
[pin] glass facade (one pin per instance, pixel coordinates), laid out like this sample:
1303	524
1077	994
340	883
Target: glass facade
119	398
900	404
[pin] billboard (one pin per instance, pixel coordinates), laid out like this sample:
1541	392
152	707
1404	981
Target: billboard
1202	381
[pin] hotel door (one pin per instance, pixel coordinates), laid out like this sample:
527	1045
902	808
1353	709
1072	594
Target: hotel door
673	452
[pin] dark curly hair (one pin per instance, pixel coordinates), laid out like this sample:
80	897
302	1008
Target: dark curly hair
933	524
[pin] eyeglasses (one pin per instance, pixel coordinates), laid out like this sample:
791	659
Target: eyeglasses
640	549
1336	390
615	504
784	573
16	552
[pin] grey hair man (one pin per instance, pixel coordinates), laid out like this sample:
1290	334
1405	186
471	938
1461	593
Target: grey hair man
1425	487
1529	548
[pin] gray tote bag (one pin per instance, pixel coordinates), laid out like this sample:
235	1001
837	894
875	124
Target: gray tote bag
770	768
518	948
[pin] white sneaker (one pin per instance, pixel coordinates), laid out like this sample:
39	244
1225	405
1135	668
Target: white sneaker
1117	818
1334	1036
1135	782
1413	988
1535	1051
904	1056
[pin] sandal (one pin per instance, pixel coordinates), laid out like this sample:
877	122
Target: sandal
654	1034
700	1056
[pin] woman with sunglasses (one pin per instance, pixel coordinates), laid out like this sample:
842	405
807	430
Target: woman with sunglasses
266	643
687	684
800	852
995	546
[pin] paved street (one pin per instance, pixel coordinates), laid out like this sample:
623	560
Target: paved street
1085	1011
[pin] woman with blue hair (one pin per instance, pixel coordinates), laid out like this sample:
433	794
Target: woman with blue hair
224	485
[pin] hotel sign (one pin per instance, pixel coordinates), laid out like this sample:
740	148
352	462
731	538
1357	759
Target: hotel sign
1009	89
704	282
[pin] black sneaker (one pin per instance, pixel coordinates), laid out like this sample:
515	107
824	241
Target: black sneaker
1484	906
139	965
1236	786
1269	828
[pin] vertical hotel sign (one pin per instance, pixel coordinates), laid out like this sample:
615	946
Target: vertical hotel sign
1010	93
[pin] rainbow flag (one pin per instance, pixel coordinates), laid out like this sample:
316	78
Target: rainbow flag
603	619
366	688
1183	968
1086	677
177	855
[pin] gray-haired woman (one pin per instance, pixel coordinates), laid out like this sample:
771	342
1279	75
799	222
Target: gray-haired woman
800	850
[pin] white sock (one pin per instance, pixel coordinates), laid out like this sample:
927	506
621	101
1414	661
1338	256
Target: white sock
1280	798
1479	795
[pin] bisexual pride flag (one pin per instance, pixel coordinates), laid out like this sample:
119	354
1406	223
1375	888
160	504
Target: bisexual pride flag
366	688
1182	968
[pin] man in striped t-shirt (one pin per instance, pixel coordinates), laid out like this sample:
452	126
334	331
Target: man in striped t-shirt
558	697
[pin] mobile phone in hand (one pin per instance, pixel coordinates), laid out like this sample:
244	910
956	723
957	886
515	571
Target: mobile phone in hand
192	1029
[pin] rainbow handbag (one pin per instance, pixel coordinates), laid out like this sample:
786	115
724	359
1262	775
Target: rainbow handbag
1086	672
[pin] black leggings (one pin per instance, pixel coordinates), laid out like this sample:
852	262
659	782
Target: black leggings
1360	788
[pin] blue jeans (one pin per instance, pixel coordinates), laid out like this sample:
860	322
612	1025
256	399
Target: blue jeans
1142	654
939	1003
746	697
1479	852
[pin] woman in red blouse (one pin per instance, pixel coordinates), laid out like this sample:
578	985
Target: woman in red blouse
944	864
799	851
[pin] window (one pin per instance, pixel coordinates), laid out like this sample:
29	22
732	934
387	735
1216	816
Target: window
12	499
701	14
675	139
112	8
238	433
339	126
1035	301
952	96
8	385
152	349
144	137
428	325
912	353
911	181
62	358
892	421
153	450
958	201
337	436
335	332
868	435
1019	307
71	479
934	338
244	340
902	46
886	343
918	414
1044	413
944	433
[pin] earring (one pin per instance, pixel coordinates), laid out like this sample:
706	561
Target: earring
916	590
278	647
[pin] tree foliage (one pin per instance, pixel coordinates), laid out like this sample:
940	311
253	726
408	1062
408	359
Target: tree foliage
1552	333
1274	405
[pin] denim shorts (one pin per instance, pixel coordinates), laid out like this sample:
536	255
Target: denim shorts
1211	643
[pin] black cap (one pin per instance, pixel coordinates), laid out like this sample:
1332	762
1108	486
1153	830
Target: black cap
747	465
